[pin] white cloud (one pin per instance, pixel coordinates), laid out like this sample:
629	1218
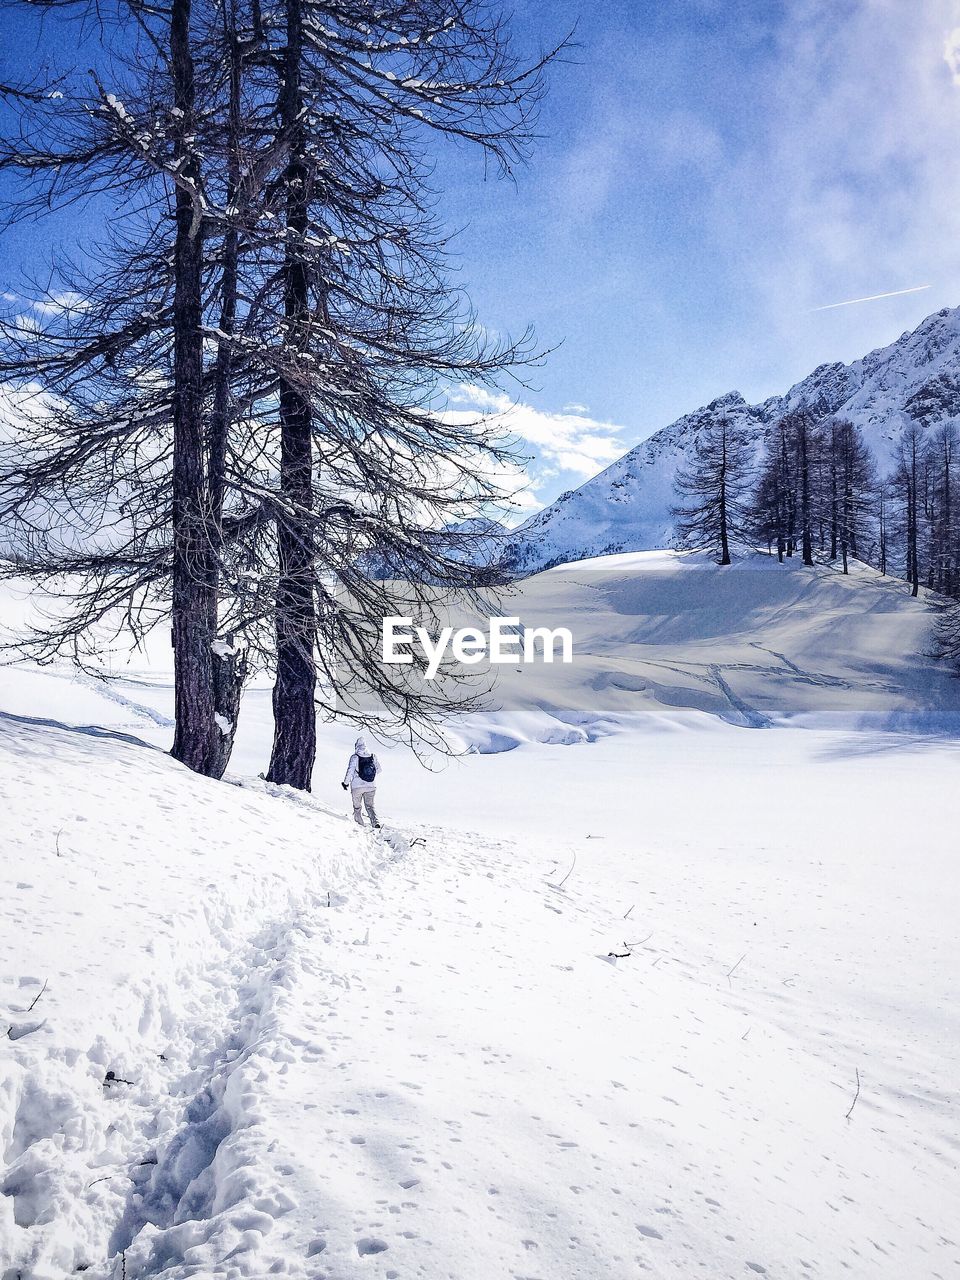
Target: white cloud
850	187
812	157
56	304
570	442
951	53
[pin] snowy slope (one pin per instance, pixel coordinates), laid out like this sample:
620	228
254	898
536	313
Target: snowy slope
422	1059
596	1007
128	926
627	506
756	644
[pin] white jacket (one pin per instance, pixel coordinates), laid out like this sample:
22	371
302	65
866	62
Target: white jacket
352	777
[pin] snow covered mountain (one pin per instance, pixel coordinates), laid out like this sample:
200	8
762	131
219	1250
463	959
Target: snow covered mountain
627	507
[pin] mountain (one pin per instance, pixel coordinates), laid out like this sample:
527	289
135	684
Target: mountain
627	507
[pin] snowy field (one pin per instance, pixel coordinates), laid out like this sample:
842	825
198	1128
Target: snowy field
596	1007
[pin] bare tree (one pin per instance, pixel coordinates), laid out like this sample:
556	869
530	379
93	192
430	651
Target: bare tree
909	466
853	482
792	470
108	483
290	147
883	503
358	324
942	535
193	613
714	513
774	502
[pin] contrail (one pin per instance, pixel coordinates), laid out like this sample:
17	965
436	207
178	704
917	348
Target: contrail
852	302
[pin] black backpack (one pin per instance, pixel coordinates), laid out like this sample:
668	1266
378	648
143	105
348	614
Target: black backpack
366	769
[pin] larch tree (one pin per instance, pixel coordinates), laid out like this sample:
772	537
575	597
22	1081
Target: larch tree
359	328
774	503
242	408
714	513
108	486
942	558
910	460
801	427
853	483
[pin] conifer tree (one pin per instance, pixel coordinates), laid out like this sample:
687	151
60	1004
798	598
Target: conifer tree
714	513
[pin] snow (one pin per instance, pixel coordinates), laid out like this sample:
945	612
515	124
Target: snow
597	1005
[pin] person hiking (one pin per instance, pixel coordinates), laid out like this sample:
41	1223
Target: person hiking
361	778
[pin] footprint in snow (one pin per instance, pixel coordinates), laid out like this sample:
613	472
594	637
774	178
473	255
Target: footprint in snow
17	1030
369	1245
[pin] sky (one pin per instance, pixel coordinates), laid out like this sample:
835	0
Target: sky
709	173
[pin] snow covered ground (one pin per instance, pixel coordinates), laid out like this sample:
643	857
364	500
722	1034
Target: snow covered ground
597	1006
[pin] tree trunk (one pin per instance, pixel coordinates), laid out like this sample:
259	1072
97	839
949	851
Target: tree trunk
849	536
946	585
229	673
913	566
229	666
805	497
778	507
833	494
724	533
295	727
788	490
195	732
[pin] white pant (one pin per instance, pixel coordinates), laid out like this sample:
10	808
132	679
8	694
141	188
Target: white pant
363	795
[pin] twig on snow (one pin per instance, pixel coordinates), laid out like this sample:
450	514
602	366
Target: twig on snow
855	1096
112	1078
731	972
569	873
108	1177
641	942
628	910
33	1002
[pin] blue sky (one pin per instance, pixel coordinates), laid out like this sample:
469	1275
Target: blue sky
710	172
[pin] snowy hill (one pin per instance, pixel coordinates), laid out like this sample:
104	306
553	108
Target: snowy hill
627	506
756	644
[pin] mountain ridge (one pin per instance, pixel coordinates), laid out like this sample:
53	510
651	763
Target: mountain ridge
627	506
